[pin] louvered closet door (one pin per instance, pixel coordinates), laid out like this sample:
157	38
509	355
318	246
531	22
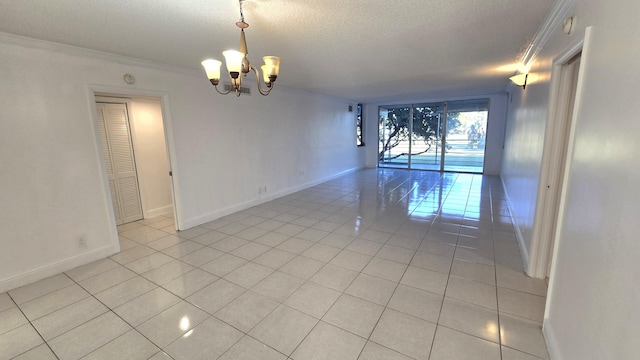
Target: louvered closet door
120	162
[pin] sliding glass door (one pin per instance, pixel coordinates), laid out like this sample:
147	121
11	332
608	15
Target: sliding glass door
444	136
426	136
393	127
466	134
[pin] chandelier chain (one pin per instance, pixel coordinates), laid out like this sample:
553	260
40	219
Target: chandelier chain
241	13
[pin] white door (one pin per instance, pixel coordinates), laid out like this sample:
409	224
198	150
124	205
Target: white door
569	87
119	159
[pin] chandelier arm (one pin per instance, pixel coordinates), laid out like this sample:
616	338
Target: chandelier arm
222	92
262	92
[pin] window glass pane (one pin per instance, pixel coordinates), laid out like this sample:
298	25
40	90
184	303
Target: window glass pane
393	128
359	126
426	136
466	134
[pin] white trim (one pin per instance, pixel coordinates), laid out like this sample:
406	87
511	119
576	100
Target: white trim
189	223
129	101
550	25
167	122
552	21
549	180
168	133
94	54
195	71
165	210
57	268
523	248
552	342
563	197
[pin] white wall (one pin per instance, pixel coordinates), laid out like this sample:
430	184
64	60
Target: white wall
521	164
152	162
495	128
221	149
592	306
370	117
495	134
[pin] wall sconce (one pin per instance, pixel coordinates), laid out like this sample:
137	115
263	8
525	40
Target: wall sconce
520	80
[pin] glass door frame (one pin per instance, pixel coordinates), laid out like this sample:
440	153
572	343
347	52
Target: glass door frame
443	133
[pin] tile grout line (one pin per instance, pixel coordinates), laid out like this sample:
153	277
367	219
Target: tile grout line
444	295
34	328
495	270
334	302
118	315
289	209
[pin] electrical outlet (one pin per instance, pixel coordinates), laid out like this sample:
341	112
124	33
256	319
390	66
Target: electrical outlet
82	241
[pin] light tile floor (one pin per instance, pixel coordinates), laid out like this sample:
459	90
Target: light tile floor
378	264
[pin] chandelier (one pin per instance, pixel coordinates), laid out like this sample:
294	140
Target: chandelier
238	65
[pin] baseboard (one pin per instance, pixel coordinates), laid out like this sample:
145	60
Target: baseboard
189	223
523	248
57	268
165	210
552	341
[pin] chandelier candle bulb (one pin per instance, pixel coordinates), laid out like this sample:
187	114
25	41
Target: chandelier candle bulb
212	68
272	65
233	59
265	75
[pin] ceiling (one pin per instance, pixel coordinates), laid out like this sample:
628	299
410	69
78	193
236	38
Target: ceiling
374	50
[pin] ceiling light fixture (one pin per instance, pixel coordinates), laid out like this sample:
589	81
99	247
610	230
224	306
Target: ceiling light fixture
520	80
237	63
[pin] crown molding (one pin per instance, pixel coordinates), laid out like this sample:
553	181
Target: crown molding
552	22
34	43
19	40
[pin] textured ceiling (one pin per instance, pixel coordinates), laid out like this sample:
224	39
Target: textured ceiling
364	50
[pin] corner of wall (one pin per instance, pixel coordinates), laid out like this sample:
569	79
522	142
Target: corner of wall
552	340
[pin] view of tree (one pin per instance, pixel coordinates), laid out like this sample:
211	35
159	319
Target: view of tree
426	128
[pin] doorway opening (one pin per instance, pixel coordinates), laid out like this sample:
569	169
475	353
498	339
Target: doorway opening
132	134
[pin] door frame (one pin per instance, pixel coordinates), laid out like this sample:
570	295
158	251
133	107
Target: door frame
551	196
167	124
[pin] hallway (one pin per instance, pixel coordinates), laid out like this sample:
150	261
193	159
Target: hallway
376	264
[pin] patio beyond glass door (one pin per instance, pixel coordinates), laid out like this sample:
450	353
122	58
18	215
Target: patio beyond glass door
394	145
426	136
466	134
444	136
